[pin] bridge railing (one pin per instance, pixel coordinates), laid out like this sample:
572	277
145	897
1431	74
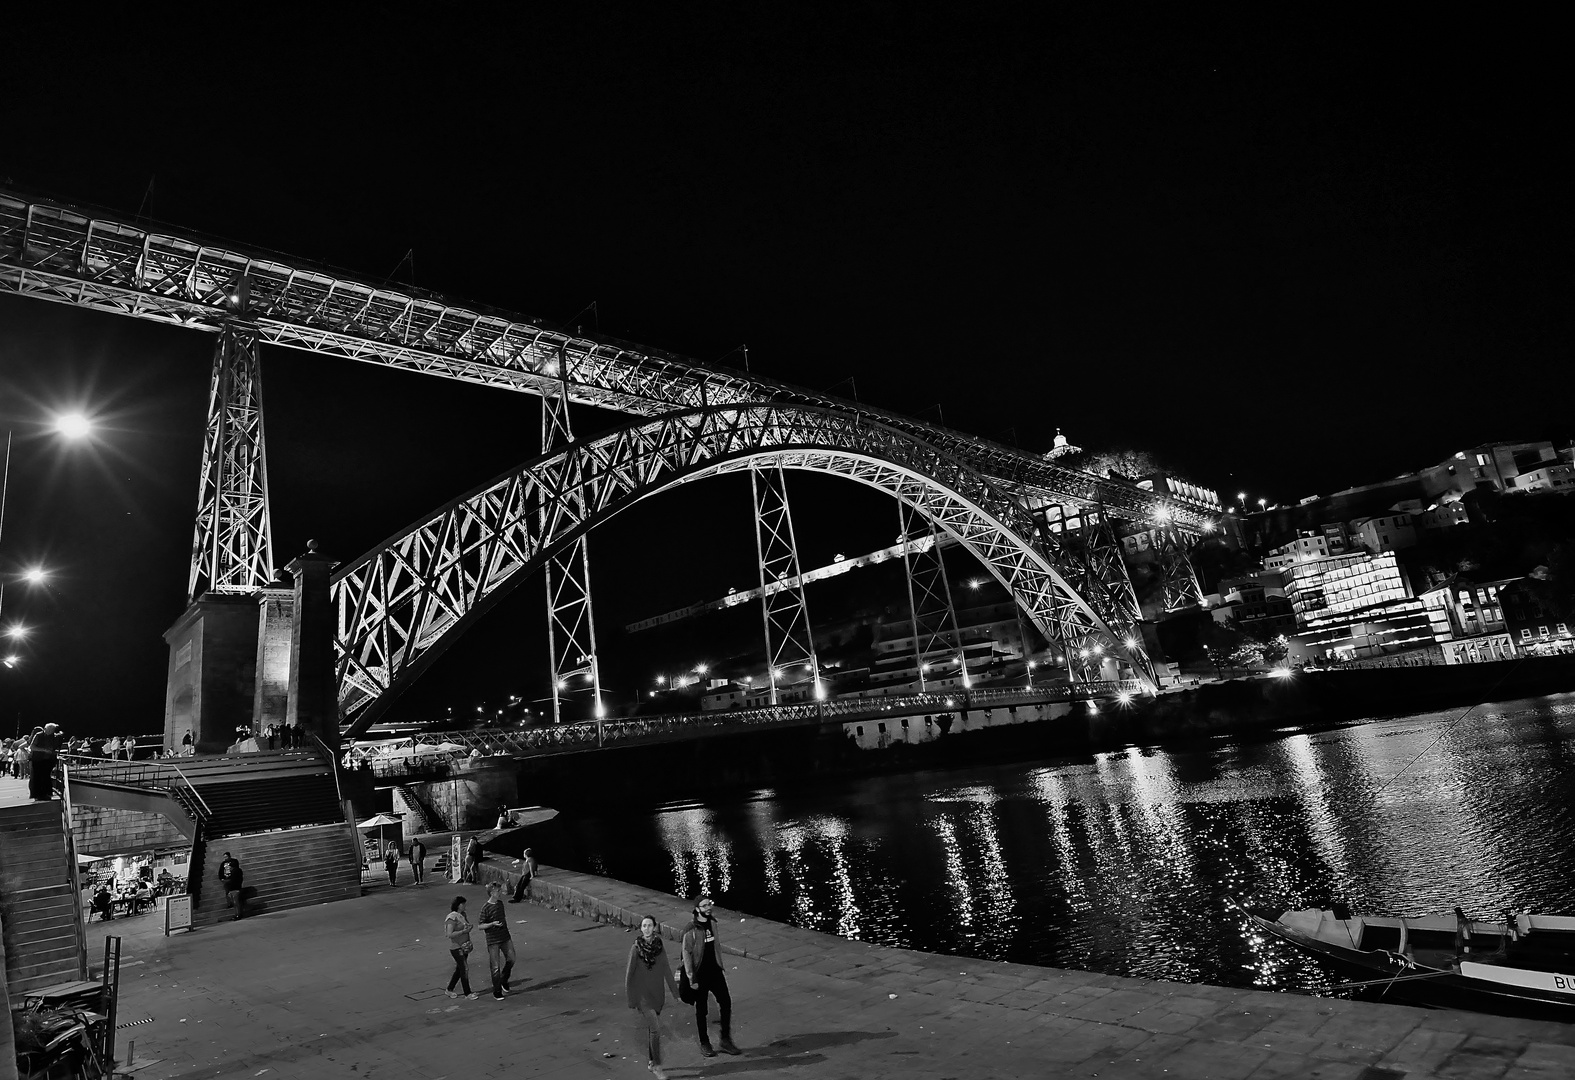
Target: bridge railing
159	775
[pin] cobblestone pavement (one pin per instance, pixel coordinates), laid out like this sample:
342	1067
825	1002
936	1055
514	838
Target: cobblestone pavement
355	989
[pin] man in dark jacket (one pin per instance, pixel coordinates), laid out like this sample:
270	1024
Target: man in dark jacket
45	745
418	860
232	877
703	962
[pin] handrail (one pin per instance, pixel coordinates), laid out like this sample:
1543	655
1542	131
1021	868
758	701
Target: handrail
132	773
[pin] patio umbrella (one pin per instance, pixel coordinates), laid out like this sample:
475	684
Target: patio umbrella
385	830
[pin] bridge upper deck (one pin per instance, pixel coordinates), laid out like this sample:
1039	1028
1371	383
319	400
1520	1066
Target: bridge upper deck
52	250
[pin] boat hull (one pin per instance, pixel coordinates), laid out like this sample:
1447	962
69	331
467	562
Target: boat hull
1481	988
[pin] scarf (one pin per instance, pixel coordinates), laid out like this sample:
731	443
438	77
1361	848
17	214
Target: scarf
649	950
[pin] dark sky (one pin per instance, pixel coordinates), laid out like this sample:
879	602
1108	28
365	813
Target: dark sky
1286	257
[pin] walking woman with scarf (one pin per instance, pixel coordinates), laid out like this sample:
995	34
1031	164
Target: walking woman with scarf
703	963
647	981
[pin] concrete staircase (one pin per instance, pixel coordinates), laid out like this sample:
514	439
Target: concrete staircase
277	811
44	943
283	869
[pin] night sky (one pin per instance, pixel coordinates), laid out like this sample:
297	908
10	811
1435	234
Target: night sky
1285	258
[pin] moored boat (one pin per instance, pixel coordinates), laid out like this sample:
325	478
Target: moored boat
1523	965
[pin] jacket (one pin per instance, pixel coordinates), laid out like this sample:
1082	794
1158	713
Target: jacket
694	947
648	985
231	874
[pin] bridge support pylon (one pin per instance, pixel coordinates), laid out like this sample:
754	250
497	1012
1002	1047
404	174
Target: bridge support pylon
571	622
790	641
232	551
932	613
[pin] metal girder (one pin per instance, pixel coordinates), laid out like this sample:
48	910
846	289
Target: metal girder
232	551
931	612
571	622
398	607
1086	548
784	612
1178	579
53	251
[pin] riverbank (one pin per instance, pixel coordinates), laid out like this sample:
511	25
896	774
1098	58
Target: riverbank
356	988
740	760
1325	697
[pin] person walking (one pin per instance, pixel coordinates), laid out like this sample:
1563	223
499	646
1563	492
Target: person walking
473	857
391	863
232	877
41	781
418	860
703	963
527	874
647	981
458	928
500	945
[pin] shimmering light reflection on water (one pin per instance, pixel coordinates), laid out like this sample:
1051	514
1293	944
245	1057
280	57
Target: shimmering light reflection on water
1123	863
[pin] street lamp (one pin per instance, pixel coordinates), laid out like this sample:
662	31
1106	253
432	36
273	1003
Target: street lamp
73	425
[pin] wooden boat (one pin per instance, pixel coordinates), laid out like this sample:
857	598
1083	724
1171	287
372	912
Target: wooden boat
1522	966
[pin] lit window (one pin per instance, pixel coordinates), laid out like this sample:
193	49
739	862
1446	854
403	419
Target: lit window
1563	629
1525	634
1542	631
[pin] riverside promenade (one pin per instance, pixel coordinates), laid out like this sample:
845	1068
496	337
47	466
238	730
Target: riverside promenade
355	989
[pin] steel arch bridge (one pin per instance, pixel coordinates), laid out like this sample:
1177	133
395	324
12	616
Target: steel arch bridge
1044	530
400	605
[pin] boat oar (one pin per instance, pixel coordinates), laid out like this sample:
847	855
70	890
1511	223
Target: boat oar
1391	979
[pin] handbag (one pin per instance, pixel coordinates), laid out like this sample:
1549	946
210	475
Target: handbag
467	948
686	991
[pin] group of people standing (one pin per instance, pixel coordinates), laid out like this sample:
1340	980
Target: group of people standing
647	978
33	757
494	925
417	854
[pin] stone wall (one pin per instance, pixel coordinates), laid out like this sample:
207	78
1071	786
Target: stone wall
100	830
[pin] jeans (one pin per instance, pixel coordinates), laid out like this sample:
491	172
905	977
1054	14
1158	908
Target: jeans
418	869
500	958
653	1033
522	887
461	972
712	981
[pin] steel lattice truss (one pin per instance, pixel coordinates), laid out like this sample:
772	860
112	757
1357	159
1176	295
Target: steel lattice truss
1085	546
53	251
232	551
571	626
931	612
790	641
1179	586
399	606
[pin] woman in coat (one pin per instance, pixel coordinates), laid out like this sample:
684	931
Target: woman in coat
458	928
647	981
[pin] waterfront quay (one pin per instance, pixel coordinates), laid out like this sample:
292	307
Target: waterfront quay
356	988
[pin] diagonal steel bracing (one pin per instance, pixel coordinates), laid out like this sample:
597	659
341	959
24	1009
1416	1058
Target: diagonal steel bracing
400	605
790	639
571	623
1085	548
233	547
931	612
1178	579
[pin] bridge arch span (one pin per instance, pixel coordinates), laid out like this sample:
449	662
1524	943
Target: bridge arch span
402	604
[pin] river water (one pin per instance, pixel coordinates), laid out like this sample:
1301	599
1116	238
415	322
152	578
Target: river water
1123	862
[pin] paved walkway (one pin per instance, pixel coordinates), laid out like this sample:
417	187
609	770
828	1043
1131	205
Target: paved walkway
355	989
